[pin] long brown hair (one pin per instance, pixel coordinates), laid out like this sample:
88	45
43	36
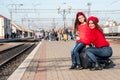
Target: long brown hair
77	22
97	26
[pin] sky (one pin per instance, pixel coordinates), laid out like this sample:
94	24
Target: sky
77	5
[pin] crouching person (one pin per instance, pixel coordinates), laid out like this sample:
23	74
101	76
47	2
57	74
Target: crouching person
101	47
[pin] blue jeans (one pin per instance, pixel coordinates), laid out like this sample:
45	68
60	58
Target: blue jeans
77	48
94	52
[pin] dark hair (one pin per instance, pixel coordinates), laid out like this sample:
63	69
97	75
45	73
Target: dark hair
77	22
97	26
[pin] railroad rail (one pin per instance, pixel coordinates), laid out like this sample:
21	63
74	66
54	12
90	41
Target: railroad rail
11	58
11	53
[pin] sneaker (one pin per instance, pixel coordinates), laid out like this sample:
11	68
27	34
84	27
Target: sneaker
96	66
108	63
73	66
79	67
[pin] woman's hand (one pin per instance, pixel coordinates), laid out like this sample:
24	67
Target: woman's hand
77	38
87	46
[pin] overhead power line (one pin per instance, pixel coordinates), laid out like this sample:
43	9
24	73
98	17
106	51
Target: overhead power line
54	10
114	2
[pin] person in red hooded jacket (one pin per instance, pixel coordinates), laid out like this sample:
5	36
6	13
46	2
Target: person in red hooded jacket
101	45
83	31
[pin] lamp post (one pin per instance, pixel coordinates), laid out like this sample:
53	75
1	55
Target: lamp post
64	12
15	8
89	6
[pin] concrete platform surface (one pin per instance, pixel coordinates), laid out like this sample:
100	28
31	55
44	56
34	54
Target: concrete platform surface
52	59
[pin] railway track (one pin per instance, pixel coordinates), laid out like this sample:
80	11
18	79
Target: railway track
10	59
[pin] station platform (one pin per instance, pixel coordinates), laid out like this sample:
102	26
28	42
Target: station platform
51	60
4	46
15	39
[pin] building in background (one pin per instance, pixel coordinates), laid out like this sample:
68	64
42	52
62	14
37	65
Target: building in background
5	30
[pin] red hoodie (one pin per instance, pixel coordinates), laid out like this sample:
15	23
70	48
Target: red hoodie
84	33
98	39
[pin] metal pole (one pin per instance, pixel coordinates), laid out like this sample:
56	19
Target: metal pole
11	15
89	5
14	9
64	13
64	18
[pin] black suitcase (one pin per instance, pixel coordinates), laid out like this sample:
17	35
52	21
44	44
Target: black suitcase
85	61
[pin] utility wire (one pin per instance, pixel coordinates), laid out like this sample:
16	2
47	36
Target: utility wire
115	2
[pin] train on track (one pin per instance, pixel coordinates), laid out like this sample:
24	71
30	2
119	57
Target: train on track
112	31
